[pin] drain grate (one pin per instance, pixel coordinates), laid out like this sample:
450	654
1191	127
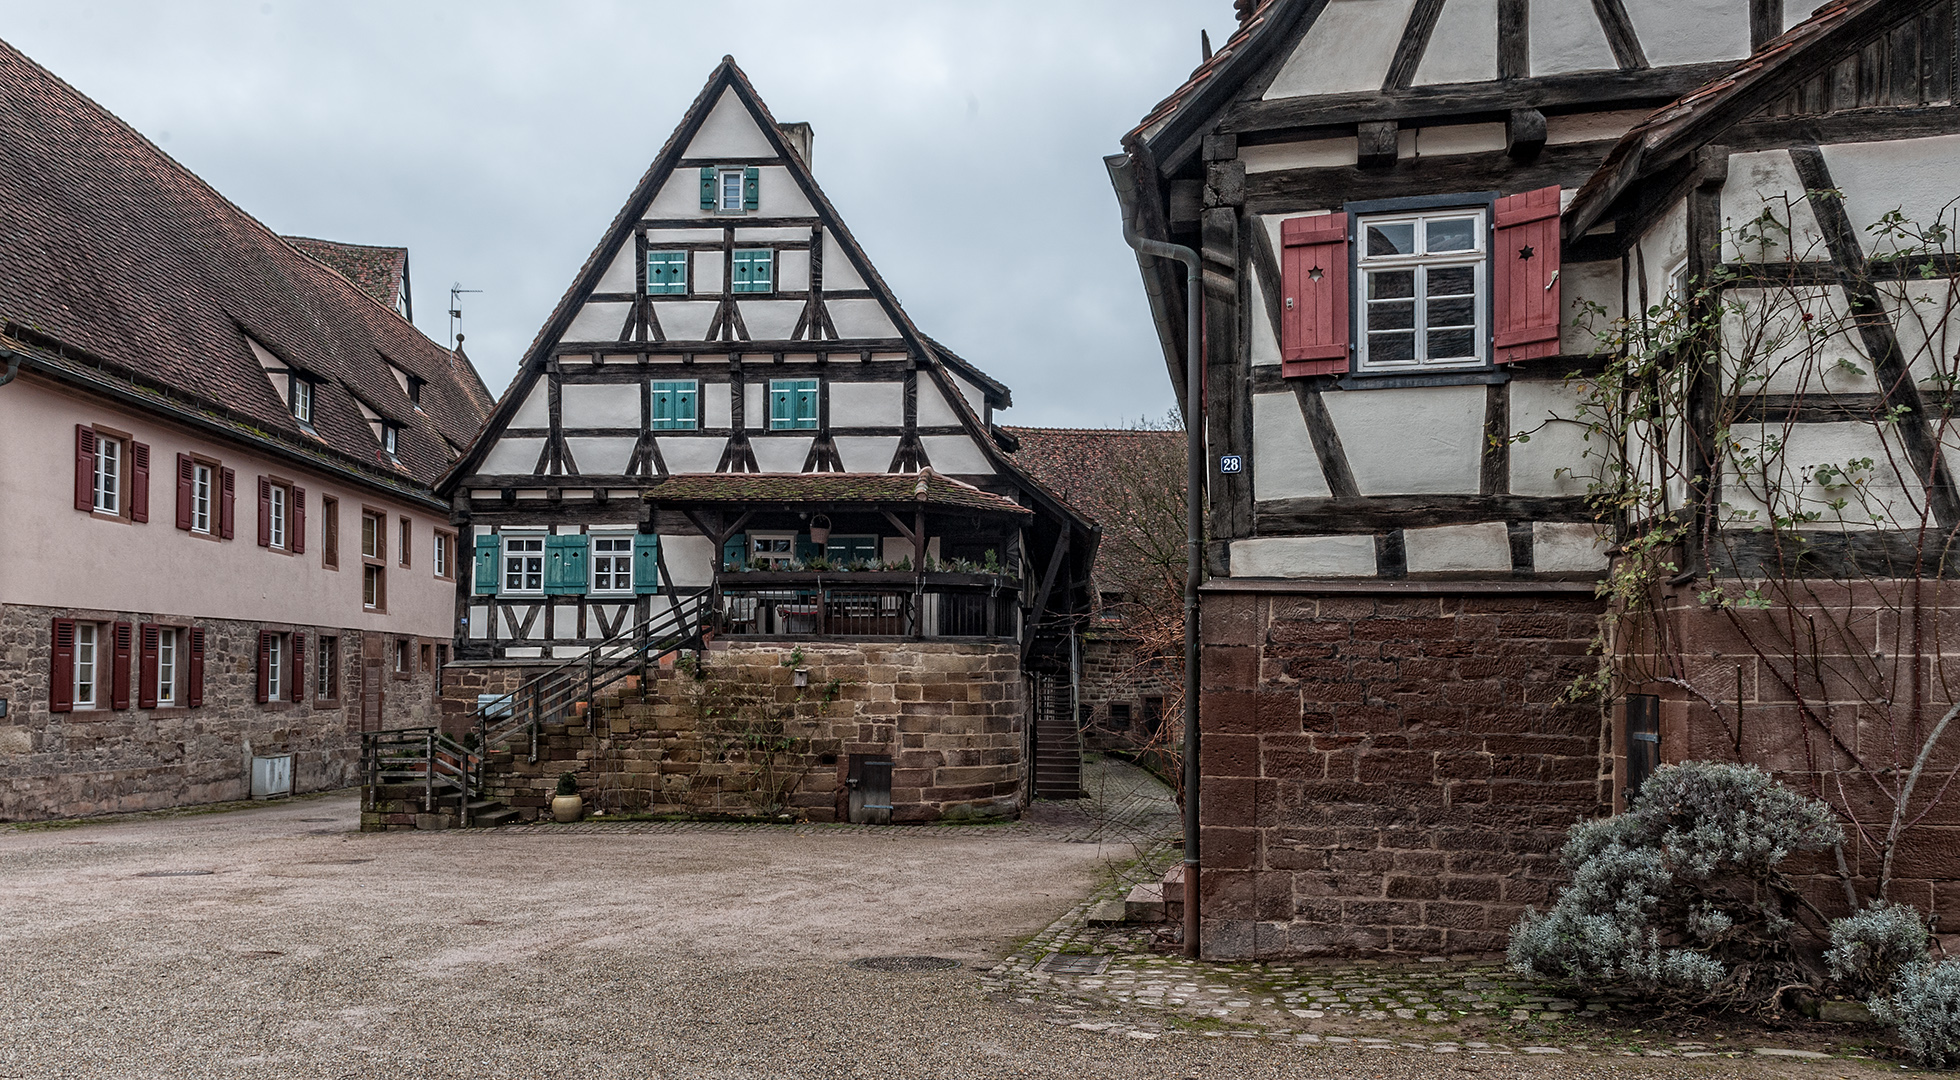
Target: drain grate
1074	964
176	873
905	963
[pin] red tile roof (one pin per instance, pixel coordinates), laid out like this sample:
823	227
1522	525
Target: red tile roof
113	249
1205	72
379	271
1130	482
925	486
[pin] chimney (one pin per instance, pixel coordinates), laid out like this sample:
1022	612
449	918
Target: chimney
1245	9
798	135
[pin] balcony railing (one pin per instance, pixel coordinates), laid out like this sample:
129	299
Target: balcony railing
788	603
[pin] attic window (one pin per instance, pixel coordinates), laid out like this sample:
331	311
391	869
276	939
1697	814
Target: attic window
415	386
300	397
730	189
388	433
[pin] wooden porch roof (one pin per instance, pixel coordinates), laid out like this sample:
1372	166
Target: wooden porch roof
868	489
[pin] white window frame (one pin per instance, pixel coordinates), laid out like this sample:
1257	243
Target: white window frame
279	503
88	665
1421	262
203	478
439	552
301	392
771	560
108	474
275	668
723	204
326	668
504	587
622	556
166	688
390	435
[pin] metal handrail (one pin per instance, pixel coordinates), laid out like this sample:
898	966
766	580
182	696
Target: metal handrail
551	692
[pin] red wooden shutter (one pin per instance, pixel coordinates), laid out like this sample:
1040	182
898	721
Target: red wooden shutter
298	693
84	467
296	522
139	482
1314	309
148	637
265	666
194	671
119	666
1525	272
228	498
265	515
61	667
186	478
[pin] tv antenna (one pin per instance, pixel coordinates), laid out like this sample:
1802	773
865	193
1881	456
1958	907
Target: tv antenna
456	292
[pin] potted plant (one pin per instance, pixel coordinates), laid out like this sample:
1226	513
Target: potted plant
566	806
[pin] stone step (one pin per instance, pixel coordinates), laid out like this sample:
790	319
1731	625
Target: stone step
1145	904
490	819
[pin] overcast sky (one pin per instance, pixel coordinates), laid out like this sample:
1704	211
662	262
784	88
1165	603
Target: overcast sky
962	143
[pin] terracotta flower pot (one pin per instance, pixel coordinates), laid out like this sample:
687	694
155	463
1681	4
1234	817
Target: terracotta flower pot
567	808
578	709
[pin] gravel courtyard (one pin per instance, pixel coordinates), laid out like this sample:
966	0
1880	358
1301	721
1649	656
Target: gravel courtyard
312	950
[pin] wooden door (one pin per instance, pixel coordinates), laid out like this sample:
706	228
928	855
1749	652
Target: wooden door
371	695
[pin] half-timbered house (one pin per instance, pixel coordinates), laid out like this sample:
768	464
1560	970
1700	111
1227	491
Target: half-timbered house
729	403
221	557
1413	217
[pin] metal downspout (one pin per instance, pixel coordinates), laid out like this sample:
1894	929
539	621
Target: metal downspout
1194	523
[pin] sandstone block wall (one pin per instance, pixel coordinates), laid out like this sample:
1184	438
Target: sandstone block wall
1387	774
1112	673
735	736
109	760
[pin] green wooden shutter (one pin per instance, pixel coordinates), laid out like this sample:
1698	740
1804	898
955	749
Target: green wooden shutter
485	581
565	565
806	549
646	563
735	551
667	273
753	271
806	403
685	395
751	187
707	187
782	405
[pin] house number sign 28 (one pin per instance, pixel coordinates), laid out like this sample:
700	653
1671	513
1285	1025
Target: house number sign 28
1231	463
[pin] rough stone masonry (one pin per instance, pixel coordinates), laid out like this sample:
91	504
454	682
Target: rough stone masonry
1389	773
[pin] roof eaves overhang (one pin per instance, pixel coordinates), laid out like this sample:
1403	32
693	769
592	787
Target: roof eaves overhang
206	417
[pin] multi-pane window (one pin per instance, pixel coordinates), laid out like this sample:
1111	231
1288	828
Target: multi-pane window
201	477
403	544
371	538
441	553
730	188
674	404
523	564
666	273
751	271
374	587
771	551
108	474
302	400
166	667
404	657
326	669
275	667
1422	299
330	532
374	553
612	564
388	435
792	404
86	641
278	511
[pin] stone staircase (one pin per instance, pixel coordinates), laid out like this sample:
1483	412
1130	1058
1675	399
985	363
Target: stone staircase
1057	741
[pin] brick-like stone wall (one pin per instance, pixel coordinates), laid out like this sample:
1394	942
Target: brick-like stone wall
1389	773
735	737
1877	662
108	760
1114	673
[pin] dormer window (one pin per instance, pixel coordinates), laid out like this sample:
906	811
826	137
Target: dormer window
415	386
388	433
300	397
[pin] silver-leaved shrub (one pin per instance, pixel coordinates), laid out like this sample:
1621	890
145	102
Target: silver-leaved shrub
1924	1004
1870	948
1680	898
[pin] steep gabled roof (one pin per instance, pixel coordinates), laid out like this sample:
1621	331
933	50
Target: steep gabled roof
113	250
1684	125
1117	478
1198	91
